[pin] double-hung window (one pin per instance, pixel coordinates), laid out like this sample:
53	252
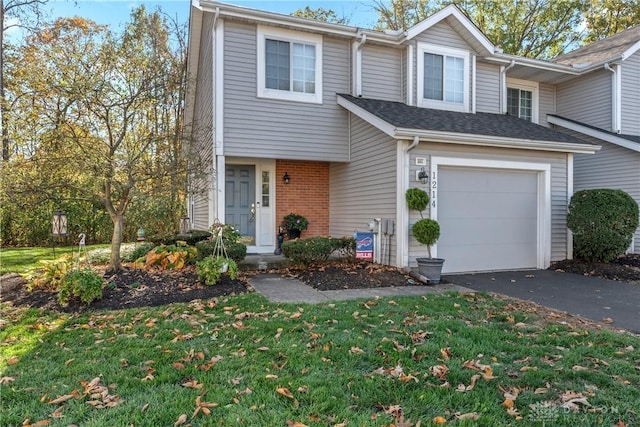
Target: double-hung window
522	99
443	78
289	65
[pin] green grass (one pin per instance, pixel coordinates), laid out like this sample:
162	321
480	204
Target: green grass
25	260
363	363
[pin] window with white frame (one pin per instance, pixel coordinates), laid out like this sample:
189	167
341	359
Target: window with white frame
442	77
522	99
289	65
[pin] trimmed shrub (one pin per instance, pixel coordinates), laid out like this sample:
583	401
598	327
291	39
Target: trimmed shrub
194	236
140	251
236	251
316	249
603	222
84	284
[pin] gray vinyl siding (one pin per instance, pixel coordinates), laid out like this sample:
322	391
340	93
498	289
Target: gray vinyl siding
442	34
611	167
268	128
559	201
203	129
587	99
631	95
366	187
382	70
487	88
546	103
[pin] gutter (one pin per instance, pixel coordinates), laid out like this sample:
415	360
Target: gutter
616	97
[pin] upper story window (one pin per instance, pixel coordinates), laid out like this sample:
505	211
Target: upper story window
522	99
443	77
289	65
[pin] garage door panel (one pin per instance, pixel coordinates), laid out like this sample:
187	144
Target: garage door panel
488	219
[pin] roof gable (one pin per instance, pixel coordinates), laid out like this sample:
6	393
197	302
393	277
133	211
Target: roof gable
618	46
460	23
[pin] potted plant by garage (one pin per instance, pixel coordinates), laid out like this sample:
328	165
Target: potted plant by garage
426	231
294	224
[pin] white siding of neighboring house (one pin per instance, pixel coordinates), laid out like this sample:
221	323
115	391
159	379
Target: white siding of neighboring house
382	71
612	167
487	88
269	128
559	199
366	187
587	99
203	128
631	95
546	103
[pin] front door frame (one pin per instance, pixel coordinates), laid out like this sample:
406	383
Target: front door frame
265	223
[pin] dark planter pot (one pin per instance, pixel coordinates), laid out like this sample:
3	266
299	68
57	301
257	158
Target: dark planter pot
430	268
293	233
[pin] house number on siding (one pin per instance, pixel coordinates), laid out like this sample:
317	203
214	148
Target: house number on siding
434	188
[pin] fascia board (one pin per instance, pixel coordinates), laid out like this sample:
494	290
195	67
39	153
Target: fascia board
585	130
633	49
495	141
443	14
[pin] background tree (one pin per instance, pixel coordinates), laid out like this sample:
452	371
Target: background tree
532	28
321	14
99	116
605	18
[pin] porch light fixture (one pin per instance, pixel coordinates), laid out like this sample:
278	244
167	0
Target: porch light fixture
423	176
286	178
184	224
59	224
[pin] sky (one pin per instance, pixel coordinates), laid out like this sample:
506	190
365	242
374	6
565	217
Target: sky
116	12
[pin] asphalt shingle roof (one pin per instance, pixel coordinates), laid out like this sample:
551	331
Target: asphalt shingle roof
401	115
632	138
602	50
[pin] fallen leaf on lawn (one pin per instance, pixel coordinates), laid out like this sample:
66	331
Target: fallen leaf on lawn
144	407
13	360
446	353
356	350
271	377
61	399
528	368
203	407
263	349
285	392
178	365
439	420
579	368
68	362
541	390
181	420
192	384
514	413
439	371
295	424
508	403
468	416
406	378
6	380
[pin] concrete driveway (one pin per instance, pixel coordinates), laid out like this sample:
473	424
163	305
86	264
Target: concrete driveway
591	297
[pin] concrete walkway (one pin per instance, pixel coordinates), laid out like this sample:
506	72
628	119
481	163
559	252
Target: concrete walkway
287	290
609	301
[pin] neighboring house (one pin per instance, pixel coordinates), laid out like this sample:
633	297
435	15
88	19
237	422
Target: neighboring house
355	117
602	106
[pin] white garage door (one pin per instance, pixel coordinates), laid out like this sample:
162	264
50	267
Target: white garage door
488	219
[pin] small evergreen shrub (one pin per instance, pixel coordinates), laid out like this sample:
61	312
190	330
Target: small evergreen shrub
315	249
84	284
194	236
603	222
211	269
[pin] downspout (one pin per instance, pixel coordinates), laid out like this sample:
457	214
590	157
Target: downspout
402	229
358	68
216	205
616	101
503	85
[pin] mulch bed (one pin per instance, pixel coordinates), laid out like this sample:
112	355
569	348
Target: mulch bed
625	268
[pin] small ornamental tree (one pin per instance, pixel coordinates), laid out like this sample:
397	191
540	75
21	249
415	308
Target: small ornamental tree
603	222
426	230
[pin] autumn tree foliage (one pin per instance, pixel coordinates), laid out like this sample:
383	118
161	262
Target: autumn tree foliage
97	116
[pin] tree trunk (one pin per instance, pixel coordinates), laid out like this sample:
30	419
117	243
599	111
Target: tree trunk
116	241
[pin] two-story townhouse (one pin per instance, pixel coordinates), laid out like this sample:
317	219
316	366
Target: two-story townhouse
352	118
602	106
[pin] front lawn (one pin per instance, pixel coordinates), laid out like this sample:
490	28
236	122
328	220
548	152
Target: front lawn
459	359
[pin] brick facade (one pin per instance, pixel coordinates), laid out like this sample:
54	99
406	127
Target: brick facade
307	194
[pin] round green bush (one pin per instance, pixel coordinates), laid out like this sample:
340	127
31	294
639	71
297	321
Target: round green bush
603	222
426	231
235	250
417	199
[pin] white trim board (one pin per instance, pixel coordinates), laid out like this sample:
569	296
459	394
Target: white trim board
544	195
586	130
